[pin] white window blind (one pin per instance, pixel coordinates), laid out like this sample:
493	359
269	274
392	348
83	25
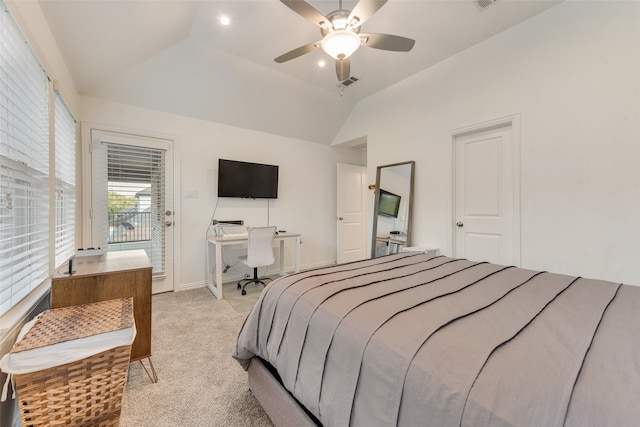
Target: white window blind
129	199
24	166
99	185
65	192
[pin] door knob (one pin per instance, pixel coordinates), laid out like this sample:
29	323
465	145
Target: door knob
340	218
459	224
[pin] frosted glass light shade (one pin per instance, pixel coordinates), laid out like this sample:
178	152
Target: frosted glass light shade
341	44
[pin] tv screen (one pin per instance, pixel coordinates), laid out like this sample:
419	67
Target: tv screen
388	204
247	180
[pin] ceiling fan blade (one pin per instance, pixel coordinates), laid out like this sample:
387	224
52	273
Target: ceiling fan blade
293	54
308	12
343	69
364	10
387	42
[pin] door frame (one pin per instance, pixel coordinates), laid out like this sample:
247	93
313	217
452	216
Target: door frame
87	128
513	121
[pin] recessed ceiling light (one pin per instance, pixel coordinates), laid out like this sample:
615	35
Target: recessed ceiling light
321	63
224	20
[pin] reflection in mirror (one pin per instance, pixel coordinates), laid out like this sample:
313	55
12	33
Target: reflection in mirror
391	229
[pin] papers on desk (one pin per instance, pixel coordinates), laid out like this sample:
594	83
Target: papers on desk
235	235
231	231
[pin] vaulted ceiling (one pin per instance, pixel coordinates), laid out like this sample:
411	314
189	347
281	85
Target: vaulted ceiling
175	55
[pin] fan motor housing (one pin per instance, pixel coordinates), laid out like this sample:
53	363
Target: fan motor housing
338	15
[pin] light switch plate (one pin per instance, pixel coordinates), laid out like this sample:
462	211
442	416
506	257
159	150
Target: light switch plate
190	193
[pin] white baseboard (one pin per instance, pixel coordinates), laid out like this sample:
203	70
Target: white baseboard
189	286
236	277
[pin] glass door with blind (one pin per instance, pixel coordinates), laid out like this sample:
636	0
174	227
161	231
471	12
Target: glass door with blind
132	203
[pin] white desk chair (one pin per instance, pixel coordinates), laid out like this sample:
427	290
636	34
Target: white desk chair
259	253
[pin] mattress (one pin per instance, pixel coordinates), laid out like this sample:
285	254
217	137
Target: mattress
411	339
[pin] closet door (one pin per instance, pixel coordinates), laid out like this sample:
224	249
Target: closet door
486	221
351	213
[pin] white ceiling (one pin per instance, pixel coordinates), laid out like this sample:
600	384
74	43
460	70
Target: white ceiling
175	56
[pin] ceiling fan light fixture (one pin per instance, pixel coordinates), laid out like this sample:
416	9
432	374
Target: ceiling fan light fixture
340	22
341	44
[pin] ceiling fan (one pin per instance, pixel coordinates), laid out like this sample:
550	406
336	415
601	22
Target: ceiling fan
341	35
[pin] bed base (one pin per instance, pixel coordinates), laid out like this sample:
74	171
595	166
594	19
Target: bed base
283	409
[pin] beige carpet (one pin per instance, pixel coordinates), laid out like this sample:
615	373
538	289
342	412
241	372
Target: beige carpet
242	303
200	384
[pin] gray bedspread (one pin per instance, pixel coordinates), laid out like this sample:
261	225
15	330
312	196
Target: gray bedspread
413	340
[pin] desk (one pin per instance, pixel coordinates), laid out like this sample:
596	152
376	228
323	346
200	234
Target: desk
393	243
219	241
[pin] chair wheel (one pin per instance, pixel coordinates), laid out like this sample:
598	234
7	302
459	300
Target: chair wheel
239	287
244	292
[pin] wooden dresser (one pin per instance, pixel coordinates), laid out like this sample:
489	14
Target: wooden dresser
112	275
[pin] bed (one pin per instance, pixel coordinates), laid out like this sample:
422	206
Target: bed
412	339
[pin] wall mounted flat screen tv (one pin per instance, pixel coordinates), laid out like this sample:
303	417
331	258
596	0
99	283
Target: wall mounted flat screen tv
247	180
388	204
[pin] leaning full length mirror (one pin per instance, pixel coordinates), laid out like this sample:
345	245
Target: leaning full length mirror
391	229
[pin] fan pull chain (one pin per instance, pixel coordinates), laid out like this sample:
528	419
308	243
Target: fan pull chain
341	90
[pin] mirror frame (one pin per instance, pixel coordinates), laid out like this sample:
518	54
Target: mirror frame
374	228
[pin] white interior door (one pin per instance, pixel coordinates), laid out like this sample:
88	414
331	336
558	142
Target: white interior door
351	213
132	203
486	195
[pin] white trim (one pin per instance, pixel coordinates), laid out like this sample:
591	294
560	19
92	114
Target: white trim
192	285
514	122
133	140
87	201
52	177
177	209
235	278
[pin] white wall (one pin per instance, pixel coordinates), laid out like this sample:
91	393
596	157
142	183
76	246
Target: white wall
307	182
571	73
307	170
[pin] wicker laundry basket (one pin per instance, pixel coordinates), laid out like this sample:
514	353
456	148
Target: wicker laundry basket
86	392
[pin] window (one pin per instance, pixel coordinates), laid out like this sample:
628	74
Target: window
129	196
25	170
135	177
